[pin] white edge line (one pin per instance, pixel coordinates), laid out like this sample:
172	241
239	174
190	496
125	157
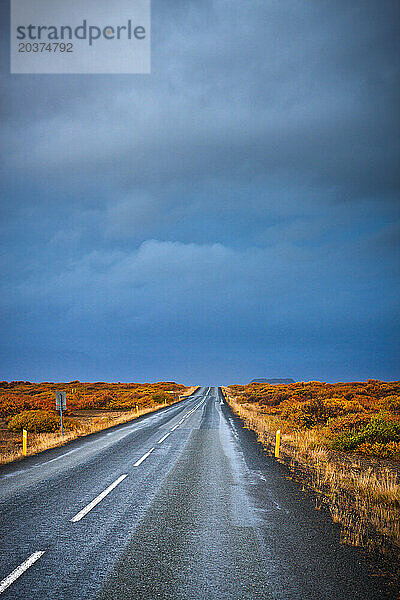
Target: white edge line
41	464
143	458
96	500
20	570
164	437
57	457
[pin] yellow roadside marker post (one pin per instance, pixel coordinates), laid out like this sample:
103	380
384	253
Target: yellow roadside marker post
24	441
137	410
240	409
277	443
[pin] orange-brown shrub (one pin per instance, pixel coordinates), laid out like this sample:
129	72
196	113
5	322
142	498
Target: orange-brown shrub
389	450
38	421
316	411
352	421
17	396
337	408
13	404
390	403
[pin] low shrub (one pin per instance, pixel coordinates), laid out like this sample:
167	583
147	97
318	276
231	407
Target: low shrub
381	430
378	432
390	450
160	398
390	403
12	405
274	400
352	421
39	421
345	441
316	411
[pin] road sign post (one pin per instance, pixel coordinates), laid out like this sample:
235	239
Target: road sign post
61	403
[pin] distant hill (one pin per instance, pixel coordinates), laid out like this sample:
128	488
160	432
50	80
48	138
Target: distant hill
272	381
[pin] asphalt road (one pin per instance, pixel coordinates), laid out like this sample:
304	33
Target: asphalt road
180	504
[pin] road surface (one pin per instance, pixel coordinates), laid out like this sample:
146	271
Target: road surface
181	504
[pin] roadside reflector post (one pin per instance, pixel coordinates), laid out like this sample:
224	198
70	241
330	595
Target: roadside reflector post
277	443
240	409
137	410
24	441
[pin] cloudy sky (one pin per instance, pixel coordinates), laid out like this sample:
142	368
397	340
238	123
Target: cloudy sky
233	215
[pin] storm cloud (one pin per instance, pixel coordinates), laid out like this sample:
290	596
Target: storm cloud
235	214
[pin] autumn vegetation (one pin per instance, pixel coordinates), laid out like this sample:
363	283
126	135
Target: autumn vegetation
16	396
343	441
39	421
90	407
348	417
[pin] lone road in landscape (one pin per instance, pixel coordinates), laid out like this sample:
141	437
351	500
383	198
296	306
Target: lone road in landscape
180	504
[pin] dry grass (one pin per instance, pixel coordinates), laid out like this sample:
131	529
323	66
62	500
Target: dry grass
86	422
362	495
189	391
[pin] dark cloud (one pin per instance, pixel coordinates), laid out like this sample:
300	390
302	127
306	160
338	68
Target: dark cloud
234	214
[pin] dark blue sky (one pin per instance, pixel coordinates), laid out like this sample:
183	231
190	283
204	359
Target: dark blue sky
233	215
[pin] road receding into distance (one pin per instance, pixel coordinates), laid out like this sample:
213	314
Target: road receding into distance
180	504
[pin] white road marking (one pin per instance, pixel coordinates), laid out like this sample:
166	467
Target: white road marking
176	426
42	464
14	474
20	570
98	499
143	458
57	458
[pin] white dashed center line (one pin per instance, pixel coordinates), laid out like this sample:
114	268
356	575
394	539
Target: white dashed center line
173	429
19	571
98	499
143	458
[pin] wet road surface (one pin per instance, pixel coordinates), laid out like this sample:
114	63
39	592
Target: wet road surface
180	504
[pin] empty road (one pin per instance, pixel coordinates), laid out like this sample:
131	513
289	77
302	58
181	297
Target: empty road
180	504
